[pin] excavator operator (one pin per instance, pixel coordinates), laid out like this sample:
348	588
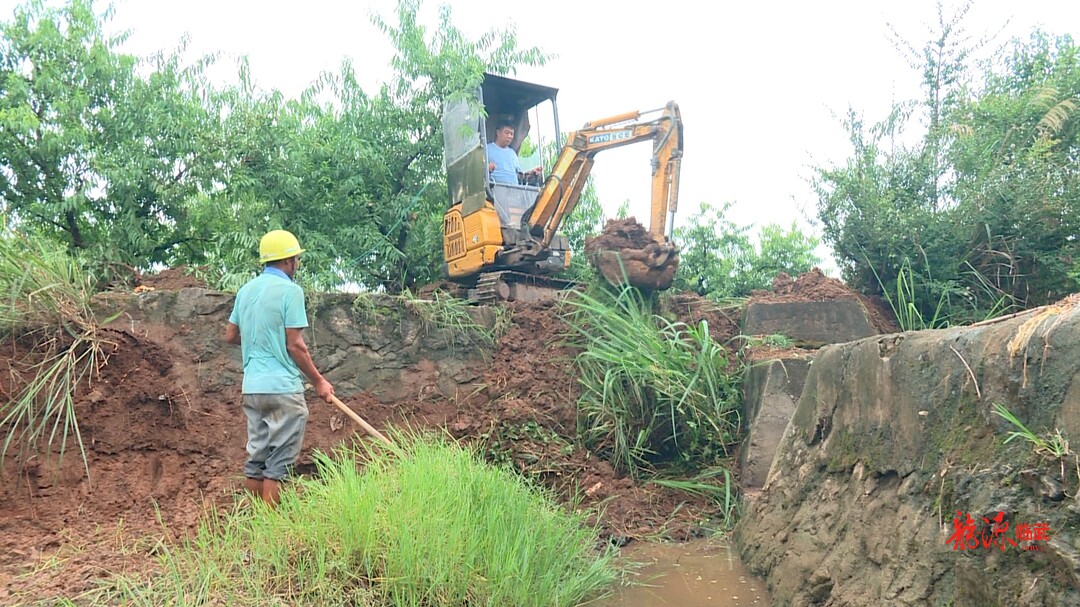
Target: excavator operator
503	163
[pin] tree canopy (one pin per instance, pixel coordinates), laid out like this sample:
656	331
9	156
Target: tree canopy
981	213
144	162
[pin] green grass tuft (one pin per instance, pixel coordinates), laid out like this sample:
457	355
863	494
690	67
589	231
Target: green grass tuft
45	304
427	524
652	389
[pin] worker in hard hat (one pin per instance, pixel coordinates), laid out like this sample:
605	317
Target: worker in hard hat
267	322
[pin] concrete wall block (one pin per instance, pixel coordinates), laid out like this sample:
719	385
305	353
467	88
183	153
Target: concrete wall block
809	323
771	393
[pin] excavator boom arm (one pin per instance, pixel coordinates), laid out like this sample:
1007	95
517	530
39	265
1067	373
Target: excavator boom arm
564	184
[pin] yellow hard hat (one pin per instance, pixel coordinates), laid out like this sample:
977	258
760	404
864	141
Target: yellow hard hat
278	244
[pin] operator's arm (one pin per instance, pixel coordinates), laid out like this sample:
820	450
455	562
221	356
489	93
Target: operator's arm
232	333
298	350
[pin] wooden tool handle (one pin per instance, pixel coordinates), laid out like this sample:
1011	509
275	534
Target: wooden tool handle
359	420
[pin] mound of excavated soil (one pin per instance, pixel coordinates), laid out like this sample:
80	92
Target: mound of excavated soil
692	308
626	252
171	279
811	286
815	286
165	438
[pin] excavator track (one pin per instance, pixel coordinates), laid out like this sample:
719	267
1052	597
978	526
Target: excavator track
508	285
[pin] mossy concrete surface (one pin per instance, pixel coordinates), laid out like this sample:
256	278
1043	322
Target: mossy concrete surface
892	437
771	391
809	323
381	345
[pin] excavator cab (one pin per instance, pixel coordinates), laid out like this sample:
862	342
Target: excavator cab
488	215
503	240
467	132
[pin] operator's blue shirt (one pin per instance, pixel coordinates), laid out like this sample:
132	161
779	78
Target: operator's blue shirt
507	165
264	308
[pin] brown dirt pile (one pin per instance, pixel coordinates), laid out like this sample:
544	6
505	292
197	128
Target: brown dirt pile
692	308
626	251
815	286
811	286
171	279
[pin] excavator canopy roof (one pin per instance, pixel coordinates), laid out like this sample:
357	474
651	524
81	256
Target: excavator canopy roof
504	95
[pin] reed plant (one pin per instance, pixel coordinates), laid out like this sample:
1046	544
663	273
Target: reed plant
425	524
45	306
906	305
718	483
1053	445
956	304
652	389
1050	445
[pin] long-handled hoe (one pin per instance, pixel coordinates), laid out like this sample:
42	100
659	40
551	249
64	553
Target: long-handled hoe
359	420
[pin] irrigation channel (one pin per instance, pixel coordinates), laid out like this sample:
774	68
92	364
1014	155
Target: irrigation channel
702	573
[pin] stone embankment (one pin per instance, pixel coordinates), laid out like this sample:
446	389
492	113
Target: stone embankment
892	483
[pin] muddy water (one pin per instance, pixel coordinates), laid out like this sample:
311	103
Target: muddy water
705	573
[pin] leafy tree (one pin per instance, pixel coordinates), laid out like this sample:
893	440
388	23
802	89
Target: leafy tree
713	251
164	168
780	250
91	154
1017	175
981	211
358	177
718	258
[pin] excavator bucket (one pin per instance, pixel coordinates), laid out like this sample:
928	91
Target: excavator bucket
627	253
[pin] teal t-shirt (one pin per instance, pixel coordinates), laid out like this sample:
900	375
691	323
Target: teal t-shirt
264	308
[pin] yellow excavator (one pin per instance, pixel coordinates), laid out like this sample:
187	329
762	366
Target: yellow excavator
502	240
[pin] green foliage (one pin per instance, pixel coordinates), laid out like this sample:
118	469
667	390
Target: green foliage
905	304
1052	444
451	315
46	305
980	213
778	250
144	161
718	258
428	525
652	390
520	446
774	340
725	493
92	154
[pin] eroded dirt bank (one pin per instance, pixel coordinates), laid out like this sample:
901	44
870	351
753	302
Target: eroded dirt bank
893	437
165	437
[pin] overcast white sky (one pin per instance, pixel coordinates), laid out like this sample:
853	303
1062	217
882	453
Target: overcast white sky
760	84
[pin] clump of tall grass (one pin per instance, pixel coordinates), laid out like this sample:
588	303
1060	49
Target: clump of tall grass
45	304
905	303
908	305
651	388
425	524
452	315
718	483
